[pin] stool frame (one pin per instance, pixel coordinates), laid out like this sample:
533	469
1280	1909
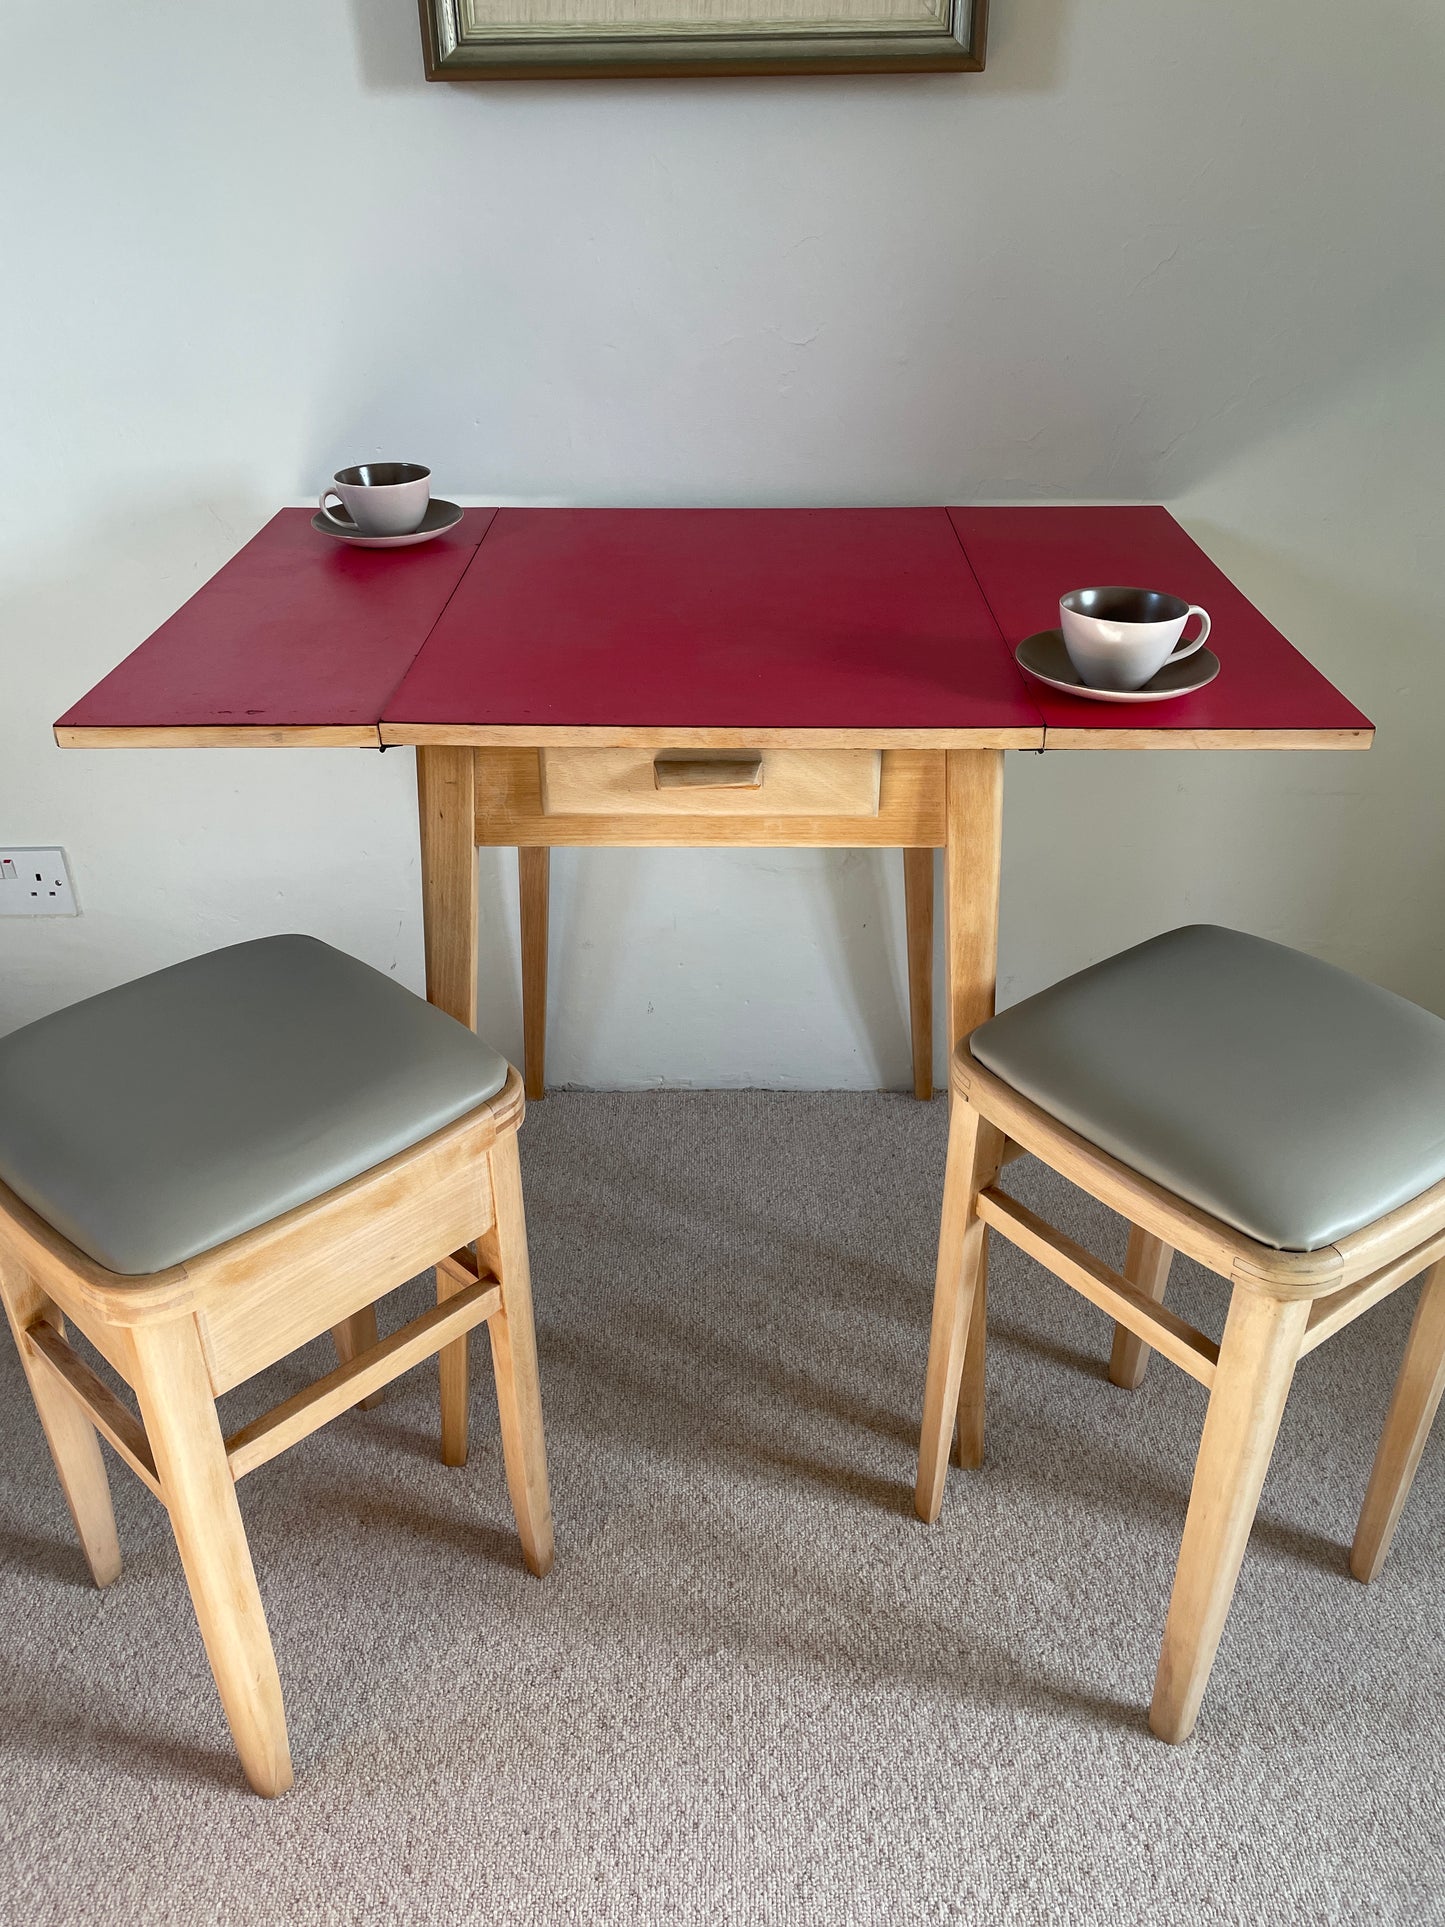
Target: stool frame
181	1337
1282	1305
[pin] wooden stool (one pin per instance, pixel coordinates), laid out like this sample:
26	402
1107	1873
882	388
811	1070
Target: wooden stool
1277	1120
206	1169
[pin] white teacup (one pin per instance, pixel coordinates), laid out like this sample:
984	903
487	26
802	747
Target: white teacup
1121	638
382	498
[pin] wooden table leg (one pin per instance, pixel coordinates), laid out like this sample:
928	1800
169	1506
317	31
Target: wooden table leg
446	812
533	873
971	860
918	909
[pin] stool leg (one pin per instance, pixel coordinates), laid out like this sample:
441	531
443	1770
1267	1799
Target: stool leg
918	915
514	1359
73	1440
454	1366
1407	1426
355	1334
968	1432
179	1411
1257	1357
975	1151
1146	1264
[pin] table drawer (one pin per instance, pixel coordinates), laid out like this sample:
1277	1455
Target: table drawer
711	783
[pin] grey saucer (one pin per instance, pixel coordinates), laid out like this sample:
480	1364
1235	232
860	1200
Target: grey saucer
1044	657
440	516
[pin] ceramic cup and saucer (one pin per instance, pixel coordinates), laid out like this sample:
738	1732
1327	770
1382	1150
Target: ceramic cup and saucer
1118	645
384	505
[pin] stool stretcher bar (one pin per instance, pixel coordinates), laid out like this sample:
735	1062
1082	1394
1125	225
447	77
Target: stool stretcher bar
115	1422
294	1418
307	1411
1101	1285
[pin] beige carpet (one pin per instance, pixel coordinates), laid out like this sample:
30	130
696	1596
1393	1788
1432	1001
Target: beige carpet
754	1689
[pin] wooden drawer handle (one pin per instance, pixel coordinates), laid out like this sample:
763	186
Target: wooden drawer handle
741	772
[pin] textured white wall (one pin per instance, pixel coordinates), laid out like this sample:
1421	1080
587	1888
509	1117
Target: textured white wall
1188	253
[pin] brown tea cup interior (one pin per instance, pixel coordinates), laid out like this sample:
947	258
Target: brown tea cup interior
382	474
1117	604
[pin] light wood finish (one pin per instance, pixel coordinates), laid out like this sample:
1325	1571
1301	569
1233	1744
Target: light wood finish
514	1358
462	1268
975	1150
454	1367
971	859
511	809
1413	1235
305	1412
704	736
223	736
761	783
93	1398
178	1410
69	1433
1146	1265
263	1294
446	812
1077	739
1407	1426
534	871
971	877
972	1392
353	1336
1189	1349
1283	1304
534	799
702	769
1330	1315
389	735
181	1337
285	1272
1256	1365
918	914
457	1272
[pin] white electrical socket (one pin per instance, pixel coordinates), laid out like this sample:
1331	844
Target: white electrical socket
35	883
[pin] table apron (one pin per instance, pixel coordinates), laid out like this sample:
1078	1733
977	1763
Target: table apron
911	814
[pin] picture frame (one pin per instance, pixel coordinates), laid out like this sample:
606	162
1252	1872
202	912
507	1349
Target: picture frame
584	39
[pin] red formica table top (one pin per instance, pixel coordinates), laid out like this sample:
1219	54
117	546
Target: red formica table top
1025	559
530	625
795	618
298	632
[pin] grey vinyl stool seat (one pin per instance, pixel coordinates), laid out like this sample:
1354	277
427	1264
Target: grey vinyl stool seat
1272	1118
164	1117
1289	1098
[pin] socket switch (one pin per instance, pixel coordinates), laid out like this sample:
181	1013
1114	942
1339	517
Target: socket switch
35	883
